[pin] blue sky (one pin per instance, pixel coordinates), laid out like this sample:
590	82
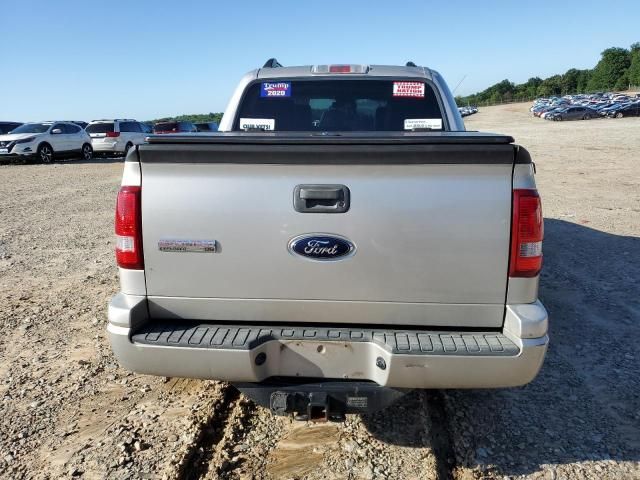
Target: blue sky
146	59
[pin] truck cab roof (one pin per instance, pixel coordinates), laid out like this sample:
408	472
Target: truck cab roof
362	70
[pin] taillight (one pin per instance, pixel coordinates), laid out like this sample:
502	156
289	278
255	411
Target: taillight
113	134
527	232
129	228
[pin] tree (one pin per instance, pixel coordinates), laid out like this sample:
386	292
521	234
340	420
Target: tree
613	65
634	67
551	86
616	69
583	81
570	80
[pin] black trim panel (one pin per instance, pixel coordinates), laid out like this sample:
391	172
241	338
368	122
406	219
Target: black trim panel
330	153
246	337
334	138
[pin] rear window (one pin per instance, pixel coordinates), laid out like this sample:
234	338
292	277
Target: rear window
100	128
166	127
339	105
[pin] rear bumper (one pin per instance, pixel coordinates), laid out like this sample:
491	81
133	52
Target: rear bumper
390	358
100	146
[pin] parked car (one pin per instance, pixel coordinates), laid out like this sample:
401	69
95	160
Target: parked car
601	104
115	136
628	110
6	127
551	110
207	126
607	111
328	274
46	141
174	127
573	113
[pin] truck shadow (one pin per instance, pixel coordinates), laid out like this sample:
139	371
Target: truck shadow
99	159
584	404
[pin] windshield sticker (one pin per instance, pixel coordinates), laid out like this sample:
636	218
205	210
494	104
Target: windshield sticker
265	124
408	89
278	89
423	123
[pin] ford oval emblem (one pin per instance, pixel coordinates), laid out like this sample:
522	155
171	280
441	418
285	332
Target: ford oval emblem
322	247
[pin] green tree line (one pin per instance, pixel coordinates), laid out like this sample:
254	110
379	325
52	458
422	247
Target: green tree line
195	118
617	69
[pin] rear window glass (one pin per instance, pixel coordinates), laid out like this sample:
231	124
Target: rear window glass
339	105
166	127
99	128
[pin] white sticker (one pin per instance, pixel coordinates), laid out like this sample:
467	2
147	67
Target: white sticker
265	124
416	123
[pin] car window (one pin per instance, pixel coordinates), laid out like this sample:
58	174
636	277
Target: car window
166	127
129	127
58	126
340	105
102	127
145	128
69	128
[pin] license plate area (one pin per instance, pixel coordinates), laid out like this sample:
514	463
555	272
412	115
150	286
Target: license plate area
325	359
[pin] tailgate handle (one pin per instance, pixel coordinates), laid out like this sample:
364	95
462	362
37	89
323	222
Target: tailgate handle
321	198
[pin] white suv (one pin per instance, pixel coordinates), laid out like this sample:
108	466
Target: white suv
46	141
115	136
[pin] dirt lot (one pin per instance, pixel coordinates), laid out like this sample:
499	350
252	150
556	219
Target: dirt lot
68	410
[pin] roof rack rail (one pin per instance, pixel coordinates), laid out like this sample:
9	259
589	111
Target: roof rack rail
272	63
410	64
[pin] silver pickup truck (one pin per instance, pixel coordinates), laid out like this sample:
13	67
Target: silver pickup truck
341	240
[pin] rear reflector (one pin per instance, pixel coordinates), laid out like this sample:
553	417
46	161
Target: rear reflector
129	228
527	231
113	134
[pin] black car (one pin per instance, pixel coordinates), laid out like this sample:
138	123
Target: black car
574	113
6	127
630	110
207	126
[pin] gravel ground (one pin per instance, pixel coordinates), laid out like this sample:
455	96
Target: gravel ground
68	410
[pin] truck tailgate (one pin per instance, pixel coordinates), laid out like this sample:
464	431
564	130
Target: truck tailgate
430	223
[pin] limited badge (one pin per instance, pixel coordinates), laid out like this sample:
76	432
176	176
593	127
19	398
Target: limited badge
197	246
265	124
408	89
275	89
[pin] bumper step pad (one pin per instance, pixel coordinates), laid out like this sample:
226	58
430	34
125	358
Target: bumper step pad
246	337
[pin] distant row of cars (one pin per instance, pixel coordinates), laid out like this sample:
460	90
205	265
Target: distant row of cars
469	110
586	107
45	141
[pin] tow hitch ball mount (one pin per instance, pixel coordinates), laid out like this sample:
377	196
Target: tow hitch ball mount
307	406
